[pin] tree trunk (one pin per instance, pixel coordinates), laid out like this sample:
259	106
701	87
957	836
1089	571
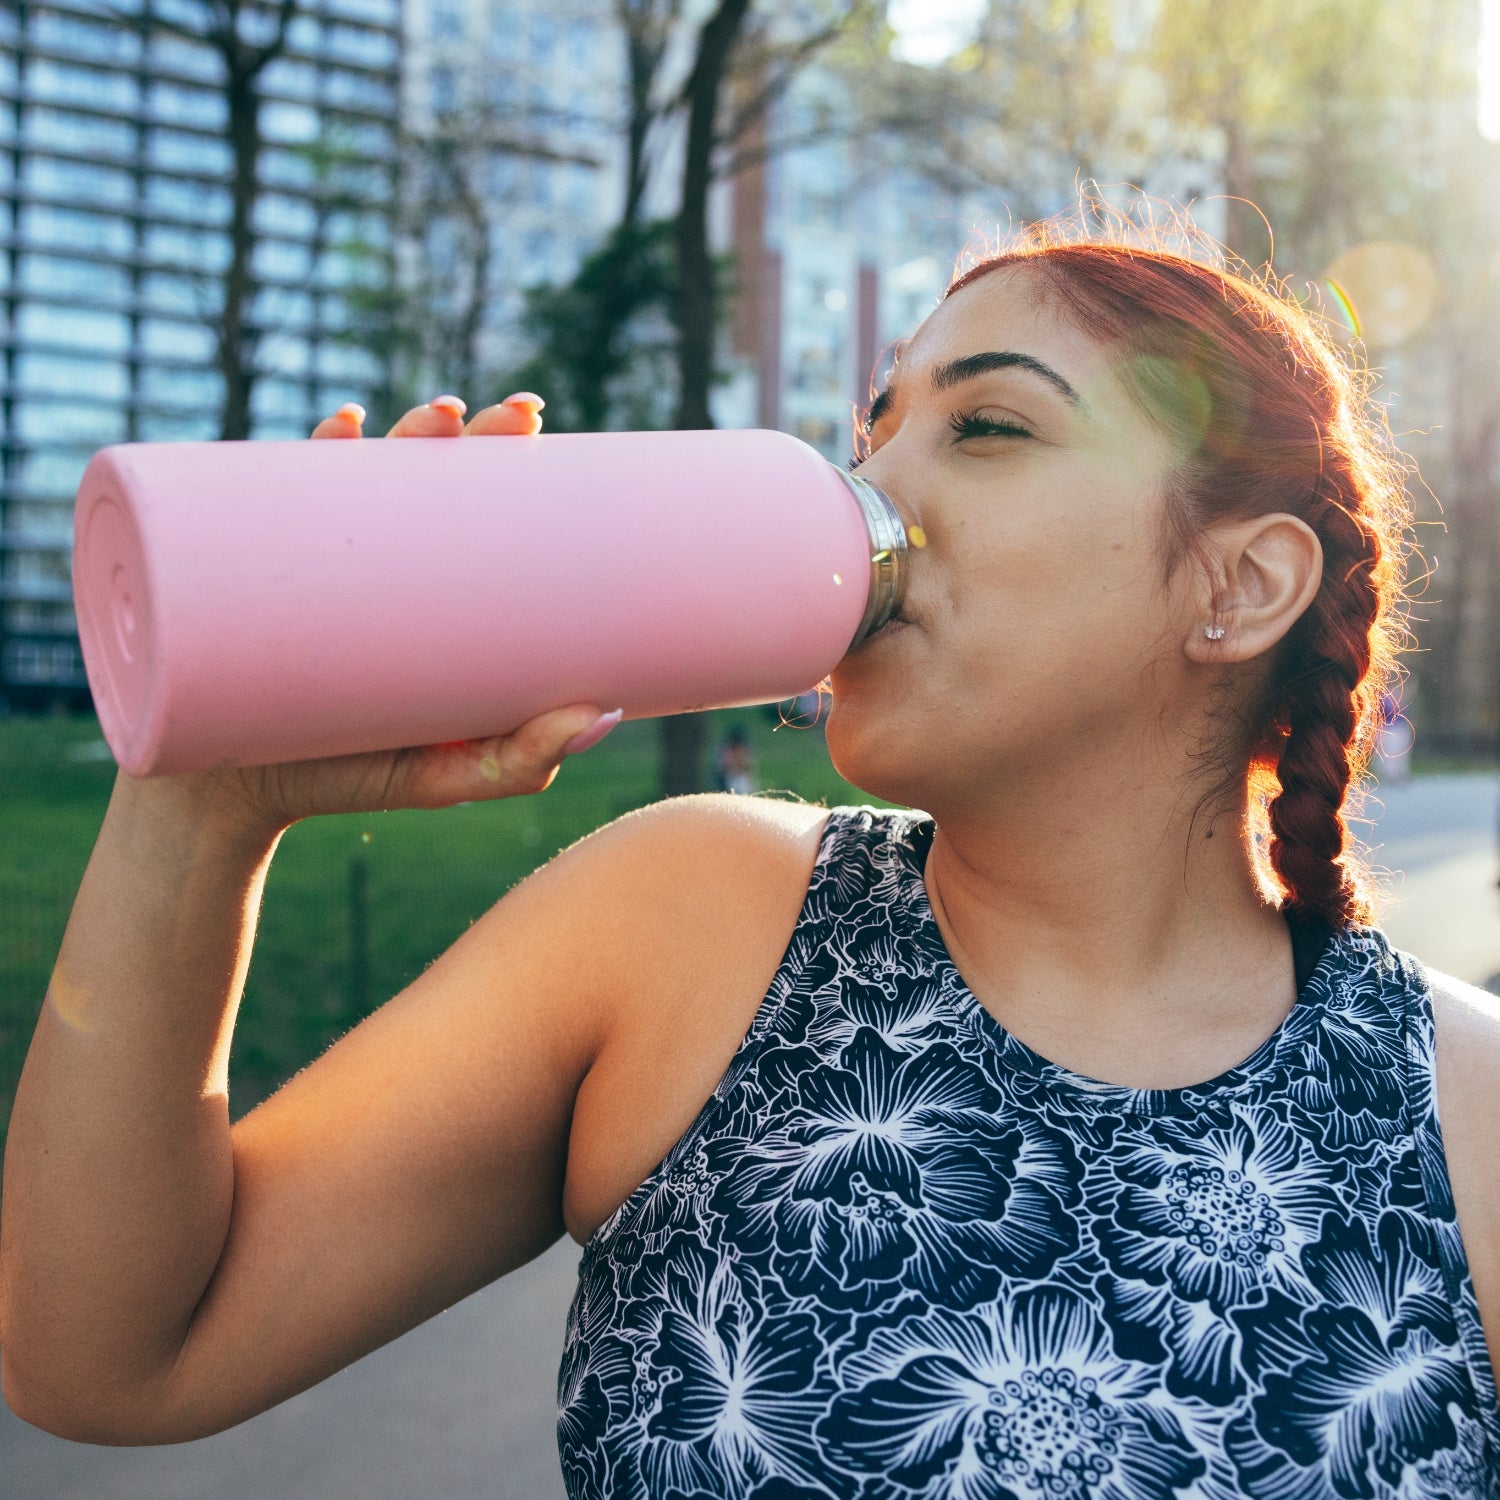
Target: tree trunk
237	334
644	55
683	735
471	316
694	310
1244	228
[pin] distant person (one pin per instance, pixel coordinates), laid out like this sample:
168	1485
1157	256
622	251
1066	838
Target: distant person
1394	743
1036	1134
734	763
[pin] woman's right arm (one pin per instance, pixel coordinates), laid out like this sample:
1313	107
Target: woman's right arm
119	1180
163	1275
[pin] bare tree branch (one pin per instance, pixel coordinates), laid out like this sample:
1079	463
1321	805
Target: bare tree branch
788	61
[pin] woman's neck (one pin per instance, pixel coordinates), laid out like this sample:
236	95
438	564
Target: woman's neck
1120	932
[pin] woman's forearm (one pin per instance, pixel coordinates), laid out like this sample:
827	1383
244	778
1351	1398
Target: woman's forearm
119	1179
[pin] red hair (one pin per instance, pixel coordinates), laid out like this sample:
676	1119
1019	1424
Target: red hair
1265	415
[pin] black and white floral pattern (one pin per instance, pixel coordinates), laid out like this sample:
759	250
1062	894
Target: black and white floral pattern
899	1256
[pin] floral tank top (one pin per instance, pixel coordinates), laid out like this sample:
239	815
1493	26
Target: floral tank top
900	1256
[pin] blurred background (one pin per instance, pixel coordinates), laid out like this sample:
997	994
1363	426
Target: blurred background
225	218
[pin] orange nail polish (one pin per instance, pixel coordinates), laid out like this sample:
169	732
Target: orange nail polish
449	403
353	410
524	398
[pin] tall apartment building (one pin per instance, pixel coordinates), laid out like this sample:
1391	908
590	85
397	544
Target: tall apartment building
114	201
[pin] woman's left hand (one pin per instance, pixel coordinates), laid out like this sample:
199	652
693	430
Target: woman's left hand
517	416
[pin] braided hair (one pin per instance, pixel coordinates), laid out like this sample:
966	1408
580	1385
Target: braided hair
1265	414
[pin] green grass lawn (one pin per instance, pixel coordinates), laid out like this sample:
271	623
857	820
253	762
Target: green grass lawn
426	876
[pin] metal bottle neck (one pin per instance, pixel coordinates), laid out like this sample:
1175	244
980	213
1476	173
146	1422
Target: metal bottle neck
887	554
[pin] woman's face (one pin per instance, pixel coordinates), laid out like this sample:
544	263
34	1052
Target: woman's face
1041	628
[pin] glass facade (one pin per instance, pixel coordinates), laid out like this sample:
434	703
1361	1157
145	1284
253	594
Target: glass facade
114	212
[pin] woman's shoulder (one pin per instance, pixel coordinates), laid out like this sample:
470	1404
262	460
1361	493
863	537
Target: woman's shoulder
710	887
1466	1031
1466	1026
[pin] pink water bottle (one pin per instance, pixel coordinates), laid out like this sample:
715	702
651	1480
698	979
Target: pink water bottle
249	603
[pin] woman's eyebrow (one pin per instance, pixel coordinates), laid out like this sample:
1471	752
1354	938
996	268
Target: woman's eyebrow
956	370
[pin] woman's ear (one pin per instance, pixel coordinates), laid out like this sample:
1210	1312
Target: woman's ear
1263	573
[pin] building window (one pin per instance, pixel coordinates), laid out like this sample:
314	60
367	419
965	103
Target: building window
279	261
173	294
62	84
359	91
44	224
282	399
367	49
447	19
74	379
290	76
77	182
62	33
177	104
46	471
177	340
280	168
79	327
186	390
188	153
56	276
178	427
283	355
284	121
175	54
49	128
200	249
197	201
293	217
444	89
90	423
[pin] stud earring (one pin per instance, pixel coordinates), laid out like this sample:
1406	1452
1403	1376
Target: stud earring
1214	632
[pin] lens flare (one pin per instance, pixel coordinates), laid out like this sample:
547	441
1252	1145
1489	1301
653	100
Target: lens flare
1345	305
1178	396
1394	286
71	1003
916	536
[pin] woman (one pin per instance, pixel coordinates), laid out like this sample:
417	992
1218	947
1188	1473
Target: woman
1077	1137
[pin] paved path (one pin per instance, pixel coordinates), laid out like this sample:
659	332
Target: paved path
462	1408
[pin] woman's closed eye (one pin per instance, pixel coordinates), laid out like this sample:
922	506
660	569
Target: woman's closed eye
965	425
970	424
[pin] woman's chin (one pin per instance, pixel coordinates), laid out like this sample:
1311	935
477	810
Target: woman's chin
867	750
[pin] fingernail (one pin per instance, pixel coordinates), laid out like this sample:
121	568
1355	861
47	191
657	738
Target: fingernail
594	733
352	410
448	403
524	398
